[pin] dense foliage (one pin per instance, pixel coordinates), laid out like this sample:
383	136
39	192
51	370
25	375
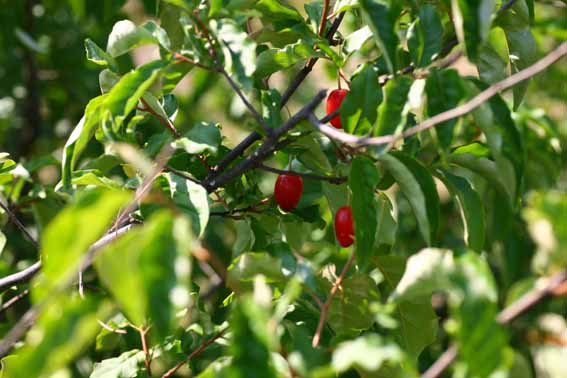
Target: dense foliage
141	144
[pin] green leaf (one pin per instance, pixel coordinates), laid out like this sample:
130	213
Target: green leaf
248	265
493	60
64	329
349	308
425	36
191	198
417	184
382	18
368	352
545	216
355	40
274	60
392	112
203	137
472	210
251	341
504	140
68	237
98	56
143	261
278	13
125	36
362	181
271	112
127	365
360	106
523	53
417	322
444	91
311	155
238	49
94	178
387	226
106	80
80	136
124	96
472	19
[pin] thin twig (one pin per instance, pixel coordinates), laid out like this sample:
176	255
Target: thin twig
265	149
163	120
147	357
15	299
21	276
459	111
311	176
261	121
256	136
181	174
324	17
327	304
110	329
183	58
19	224
195	353
526	302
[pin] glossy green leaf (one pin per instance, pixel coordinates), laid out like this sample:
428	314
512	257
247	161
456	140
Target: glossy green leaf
494	58
68	237
203	137
311	155
444	91
472	19
127	365
368	352
274	60
238	49
278	13
98	56
125	36
425	36
191	198
392	112
362	182
523	53
355	40
271	112
472	210
387	227
359	109
382	18
417	184
249	264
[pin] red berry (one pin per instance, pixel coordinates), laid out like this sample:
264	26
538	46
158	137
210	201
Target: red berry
288	191
344	227
334	101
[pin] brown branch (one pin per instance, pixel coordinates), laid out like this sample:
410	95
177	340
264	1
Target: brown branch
195	353
311	176
255	136
522	305
324	17
183	58
147	356
15	299
327	304
459	111
269	146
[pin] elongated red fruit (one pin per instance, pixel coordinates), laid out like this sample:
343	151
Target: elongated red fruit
334	101
344	226
288	190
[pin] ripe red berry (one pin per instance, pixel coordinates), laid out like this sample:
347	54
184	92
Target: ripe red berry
334	101
344	227
288	191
